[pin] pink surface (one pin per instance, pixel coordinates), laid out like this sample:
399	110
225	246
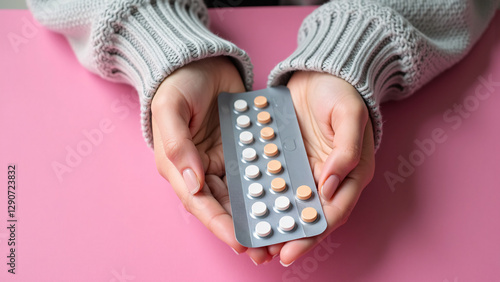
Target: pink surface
111	217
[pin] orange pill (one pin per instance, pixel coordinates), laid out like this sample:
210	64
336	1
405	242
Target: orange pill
264	117
267	133
260	101
304	192
309	214
270	150
274	166
278	184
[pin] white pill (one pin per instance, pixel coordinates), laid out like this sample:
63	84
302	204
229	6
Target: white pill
282	203
240	105
255	189
249	154
243	121
252	171
263	229
246	137
287	223
259	209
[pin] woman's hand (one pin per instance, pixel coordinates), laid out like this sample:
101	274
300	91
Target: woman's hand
187	141
188	144
338	137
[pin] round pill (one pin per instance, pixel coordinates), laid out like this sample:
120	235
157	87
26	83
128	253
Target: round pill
278	184
240	105
304	192
264	117
255	189
259	209
243	121
287	223
249	154
270	150
260	101
274	166
246	137
267	133
252	171
263	229
282	203
309	214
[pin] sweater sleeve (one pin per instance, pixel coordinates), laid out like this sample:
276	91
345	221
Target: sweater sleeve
138	42
387	49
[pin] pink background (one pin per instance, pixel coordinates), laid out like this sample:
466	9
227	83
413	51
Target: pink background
113	218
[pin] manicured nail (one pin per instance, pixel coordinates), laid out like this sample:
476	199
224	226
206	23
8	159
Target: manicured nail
191	181
329	187
254	262
275	256
270	259
286	265
235	251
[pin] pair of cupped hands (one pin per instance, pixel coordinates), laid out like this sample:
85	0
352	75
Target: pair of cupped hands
335	126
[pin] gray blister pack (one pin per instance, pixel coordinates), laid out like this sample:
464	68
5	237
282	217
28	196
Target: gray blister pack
271	187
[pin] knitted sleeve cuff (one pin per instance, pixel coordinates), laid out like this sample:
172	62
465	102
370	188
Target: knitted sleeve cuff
364	44
142	42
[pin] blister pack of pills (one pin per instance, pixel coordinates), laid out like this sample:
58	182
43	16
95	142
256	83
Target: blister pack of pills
271	187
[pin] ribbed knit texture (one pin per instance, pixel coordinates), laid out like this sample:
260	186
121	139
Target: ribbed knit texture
139	42
385	49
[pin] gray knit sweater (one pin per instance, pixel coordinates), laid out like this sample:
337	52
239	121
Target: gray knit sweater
386	49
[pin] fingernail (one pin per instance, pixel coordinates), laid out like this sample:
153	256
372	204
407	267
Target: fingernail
329	187
275	256
254	262
191	180
235	251
286	265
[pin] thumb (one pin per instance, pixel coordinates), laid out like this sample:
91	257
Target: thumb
349	130
172	114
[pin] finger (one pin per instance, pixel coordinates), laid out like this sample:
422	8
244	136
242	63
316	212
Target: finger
218	188
338	209
219	191
349	126
210	212
203	205
172	114
259	255
336	213
274	250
